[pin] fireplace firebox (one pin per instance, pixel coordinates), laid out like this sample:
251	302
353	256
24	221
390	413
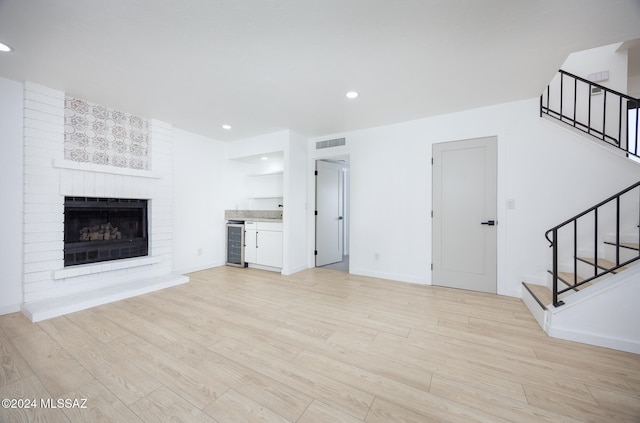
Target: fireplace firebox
102	229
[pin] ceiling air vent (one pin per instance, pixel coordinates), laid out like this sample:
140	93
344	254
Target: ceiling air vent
331	143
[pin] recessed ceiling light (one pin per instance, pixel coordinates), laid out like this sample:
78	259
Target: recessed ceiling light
352	94
264	158
5	48
225	126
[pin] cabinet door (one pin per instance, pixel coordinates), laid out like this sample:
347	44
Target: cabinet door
250	246
269	248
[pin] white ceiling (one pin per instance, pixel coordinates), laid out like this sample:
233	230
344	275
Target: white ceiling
266	65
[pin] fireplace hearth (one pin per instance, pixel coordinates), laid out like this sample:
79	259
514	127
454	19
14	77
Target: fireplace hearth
103	229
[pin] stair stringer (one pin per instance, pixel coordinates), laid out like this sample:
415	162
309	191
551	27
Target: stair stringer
605	314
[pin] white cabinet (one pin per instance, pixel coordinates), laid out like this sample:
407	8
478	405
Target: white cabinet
263	243
250	251
269	248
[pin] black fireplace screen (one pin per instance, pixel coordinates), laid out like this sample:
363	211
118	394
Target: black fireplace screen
102	229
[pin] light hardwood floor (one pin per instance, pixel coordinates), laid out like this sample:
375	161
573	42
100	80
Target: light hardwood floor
243	345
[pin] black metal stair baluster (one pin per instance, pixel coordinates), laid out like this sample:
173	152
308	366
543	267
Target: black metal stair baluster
620	123
595	243
561	95
575	252
589	111
604	116
548	95
541	95
575	100
617	231
555	267
636	134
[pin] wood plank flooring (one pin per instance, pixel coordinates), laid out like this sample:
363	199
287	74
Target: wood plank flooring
244	345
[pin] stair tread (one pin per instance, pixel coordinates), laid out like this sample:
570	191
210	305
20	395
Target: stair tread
541	293
629	245
602	263
568	278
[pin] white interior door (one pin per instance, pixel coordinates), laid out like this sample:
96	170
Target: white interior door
464	214
329	218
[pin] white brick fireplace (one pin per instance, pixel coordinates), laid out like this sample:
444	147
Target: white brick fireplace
50	288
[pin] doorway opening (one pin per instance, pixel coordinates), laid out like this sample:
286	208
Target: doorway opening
332	218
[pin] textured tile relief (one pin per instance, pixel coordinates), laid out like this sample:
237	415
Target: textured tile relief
103	136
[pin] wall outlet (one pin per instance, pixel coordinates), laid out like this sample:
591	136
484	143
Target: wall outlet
199	251
376	257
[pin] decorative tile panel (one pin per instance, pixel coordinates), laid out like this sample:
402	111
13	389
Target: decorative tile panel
103	136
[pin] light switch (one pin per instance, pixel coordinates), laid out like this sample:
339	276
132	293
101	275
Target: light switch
511	204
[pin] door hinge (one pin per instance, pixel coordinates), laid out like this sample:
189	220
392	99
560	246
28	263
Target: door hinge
432	160
432	267
431	213
316	212
315	173
315	253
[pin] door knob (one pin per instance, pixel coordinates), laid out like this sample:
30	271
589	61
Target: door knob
489	222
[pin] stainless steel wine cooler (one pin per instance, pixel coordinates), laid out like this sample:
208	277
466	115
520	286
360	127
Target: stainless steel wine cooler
235	244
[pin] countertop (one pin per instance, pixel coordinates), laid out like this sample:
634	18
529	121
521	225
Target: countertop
254	215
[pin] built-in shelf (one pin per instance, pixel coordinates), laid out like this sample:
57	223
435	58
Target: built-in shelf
91	167
277	172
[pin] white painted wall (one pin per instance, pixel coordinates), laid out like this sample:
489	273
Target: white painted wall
267	143
550	173
634	86
211	176
11	182
249	150
205	185
605	58
295	205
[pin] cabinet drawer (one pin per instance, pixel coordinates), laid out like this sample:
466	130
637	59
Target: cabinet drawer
250	226
269	226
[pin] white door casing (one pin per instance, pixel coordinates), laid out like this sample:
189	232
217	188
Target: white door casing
464	214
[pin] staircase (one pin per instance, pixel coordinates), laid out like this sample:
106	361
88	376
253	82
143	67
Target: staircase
596	253
593	252
602	113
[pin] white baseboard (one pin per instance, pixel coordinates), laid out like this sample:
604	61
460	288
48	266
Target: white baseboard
8	309
296	269
595	339
198	268
262	267
389	276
